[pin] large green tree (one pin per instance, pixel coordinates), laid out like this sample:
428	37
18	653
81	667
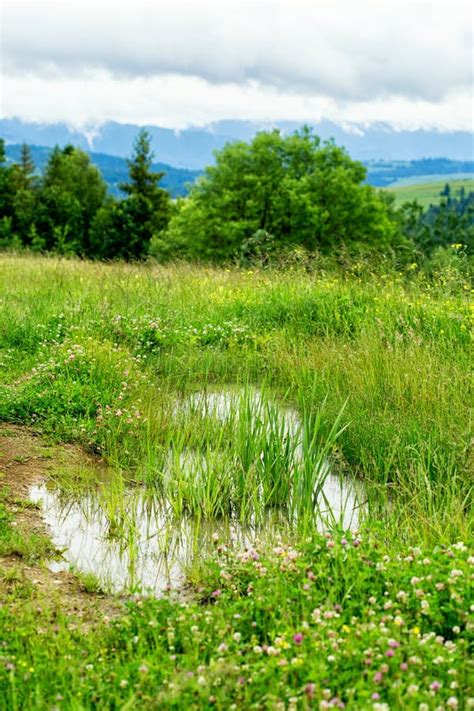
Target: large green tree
71	193
284	190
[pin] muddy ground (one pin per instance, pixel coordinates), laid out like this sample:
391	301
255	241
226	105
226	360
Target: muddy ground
26	458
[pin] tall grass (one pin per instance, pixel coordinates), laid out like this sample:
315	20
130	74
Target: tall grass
101	354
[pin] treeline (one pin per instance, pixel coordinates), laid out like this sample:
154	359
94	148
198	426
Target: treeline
68	210
260	201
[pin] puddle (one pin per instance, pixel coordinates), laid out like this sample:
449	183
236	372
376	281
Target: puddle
153	555
132	542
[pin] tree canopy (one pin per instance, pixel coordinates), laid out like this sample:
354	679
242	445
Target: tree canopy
294	189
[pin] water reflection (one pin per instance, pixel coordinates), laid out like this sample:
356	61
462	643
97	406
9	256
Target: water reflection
149	553
130	540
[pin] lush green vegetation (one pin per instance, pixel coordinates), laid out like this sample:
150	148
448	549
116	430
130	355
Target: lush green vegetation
448	223
427	194
262	202
280	193
376	364
68	211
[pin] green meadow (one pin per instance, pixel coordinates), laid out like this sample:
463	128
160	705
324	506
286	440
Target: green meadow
427	194
271	467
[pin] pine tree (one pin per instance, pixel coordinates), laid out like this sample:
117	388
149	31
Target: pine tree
146	209
27	165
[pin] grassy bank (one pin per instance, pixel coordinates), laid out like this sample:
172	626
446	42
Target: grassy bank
372	370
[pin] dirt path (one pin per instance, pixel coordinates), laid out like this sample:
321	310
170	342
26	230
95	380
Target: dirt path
27	459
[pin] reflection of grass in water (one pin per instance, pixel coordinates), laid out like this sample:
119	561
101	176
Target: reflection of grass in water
260	456
236	457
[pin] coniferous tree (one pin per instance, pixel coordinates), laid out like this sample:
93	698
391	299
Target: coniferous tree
146	209
27	165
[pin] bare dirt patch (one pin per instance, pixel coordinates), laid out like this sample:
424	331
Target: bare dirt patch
27	459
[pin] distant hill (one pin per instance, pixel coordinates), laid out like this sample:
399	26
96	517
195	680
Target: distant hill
384	173
115	170
429	193
193	148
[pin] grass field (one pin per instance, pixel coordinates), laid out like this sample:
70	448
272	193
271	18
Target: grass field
297	444
429	193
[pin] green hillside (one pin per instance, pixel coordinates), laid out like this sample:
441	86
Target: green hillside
426	193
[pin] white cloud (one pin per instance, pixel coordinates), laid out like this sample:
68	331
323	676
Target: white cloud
180	63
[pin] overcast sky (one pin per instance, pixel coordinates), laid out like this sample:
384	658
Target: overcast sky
175	63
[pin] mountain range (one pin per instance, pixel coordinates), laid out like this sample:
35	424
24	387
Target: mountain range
114	169
192	148
403	156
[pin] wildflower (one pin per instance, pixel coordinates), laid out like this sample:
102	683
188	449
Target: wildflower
222	648
297	638
435	686
452	702
378	677
216	593
389	653
257	649
143	669
123	683
403	666
237	636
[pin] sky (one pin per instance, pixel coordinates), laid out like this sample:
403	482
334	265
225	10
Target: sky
178	63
